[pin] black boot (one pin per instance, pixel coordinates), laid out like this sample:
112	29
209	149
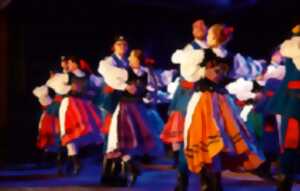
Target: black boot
132	172
285	184
45	160
118	173
214	182
60	163
264	171
175	159
204	178
73	165
107	172
182	182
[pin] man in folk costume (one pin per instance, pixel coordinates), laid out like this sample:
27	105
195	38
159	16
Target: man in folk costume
286	103
199	30
49	129
213	129
80	119
113	70
265	125
110	94
173	130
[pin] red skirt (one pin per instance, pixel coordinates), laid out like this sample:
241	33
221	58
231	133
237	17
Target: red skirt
173	130
48	131
80	122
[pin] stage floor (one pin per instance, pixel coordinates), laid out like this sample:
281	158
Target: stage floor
159	177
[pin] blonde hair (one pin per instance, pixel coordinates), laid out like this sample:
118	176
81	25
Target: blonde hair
139	54
221	32
296	29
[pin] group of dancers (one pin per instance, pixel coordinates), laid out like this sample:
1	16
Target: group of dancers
226	110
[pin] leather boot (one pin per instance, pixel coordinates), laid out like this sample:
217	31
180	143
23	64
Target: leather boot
214	182
285	183
107	175
132	172
60	163
182	182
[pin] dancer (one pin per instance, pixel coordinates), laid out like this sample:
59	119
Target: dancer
49	129
268	130
129	132
80	119
214	132
285	102
113	70
173	129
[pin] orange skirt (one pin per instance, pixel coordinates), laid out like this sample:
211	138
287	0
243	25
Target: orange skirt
215	129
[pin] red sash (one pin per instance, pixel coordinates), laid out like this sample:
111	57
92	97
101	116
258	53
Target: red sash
186	85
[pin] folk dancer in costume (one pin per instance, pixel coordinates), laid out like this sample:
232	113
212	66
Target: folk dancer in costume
252	93
155	97
112	69
173	130
49	129
214	132
286	103
129	132
80	119
265	125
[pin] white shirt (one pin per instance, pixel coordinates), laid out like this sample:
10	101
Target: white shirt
114	76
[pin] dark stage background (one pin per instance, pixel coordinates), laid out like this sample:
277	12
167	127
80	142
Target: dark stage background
35	33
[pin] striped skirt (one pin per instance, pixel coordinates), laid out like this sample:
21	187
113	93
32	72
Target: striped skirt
130	131
48	138
80	122
213	128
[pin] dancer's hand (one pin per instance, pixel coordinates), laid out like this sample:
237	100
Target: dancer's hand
211	74
259	96
131	89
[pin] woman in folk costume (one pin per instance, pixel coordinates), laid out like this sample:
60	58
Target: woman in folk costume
286	103
156	95
154	98
173	130
265	124
48	124
49	130
80	119
214	132
251	94
129	134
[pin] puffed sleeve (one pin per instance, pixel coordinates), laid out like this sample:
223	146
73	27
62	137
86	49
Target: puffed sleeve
59	83
113	76
246	67
242	89
190	61
41	92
